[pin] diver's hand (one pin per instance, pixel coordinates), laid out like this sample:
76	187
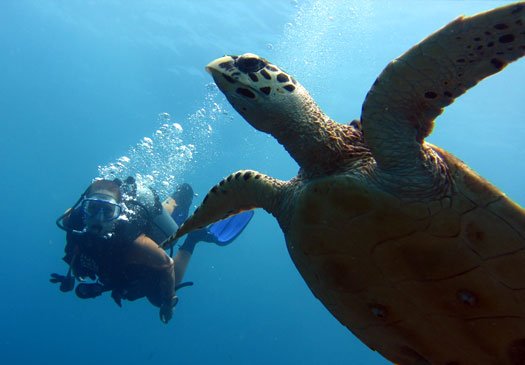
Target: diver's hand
166	310
66	282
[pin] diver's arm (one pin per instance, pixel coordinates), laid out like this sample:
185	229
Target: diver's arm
67	282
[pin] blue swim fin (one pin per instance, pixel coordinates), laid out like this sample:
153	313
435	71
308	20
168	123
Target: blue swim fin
221	233
228	229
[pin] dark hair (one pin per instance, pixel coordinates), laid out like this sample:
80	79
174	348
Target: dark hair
112	186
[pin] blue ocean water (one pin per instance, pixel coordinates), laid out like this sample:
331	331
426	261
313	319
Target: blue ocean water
91	88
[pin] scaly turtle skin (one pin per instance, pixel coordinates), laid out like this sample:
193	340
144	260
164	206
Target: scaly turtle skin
421	258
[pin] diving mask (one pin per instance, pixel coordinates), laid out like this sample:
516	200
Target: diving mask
101	207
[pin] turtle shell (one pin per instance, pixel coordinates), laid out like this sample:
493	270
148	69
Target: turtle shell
413	278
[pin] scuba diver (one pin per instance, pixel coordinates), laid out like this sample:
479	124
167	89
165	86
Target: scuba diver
113	234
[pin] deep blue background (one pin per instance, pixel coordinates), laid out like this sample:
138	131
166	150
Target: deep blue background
83	82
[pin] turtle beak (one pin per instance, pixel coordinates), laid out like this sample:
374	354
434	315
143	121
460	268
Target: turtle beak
220	65
222	70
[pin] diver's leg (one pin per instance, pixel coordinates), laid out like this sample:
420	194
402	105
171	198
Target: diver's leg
179	203
182	259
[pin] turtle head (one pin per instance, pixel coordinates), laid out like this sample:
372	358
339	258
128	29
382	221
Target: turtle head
274	102
266	96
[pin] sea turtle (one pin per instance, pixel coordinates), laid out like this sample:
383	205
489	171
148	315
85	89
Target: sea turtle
420	257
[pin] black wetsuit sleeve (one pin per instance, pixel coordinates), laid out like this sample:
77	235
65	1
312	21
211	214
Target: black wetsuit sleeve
76	245
72	222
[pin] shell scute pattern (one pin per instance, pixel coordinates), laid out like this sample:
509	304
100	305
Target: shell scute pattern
445	223
420	256
481	229
508	269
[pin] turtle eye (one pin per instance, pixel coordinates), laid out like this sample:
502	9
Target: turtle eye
250	63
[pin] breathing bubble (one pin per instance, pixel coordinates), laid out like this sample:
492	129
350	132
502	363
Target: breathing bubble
160	160
165	117
177	127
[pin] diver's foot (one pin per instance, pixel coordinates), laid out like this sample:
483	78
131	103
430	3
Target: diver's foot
183	197
166	310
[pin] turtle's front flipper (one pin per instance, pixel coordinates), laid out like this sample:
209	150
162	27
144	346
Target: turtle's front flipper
399	109
242	190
